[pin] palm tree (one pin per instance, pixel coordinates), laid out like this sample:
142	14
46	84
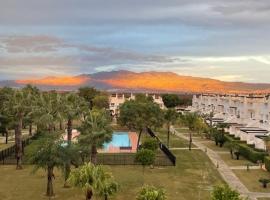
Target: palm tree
93	179
170	116
48	153
34	91
46	111
95	130
108	188
6	121
18	106
151	193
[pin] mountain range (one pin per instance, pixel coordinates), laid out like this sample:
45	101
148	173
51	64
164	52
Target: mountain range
141	82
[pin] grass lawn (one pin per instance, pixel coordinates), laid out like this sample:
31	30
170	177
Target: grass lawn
175	142
4	146
211	145
233	162
251	179
193	176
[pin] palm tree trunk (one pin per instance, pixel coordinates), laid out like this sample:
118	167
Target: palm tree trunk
190	140
88	194
18	142
69	137
6	135
94	154
69	131
30	129
139	138
168	135
50	177
60	125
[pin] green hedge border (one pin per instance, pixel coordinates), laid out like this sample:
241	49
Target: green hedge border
267	163
246	151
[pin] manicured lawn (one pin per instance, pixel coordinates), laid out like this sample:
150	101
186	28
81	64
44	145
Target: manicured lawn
251	179
193	176
233	162
4	146
175	142
211	145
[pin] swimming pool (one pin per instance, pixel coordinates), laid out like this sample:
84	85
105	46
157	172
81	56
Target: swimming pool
119	139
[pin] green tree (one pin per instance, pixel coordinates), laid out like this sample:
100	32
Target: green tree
29	119
48	153
224	192
108	188
171	100
6	120
88	93
18	106
93	179
170	116
139	114
95	130
47	110
264	182
200	126
190	120
151	193
101	101
151	144
145	157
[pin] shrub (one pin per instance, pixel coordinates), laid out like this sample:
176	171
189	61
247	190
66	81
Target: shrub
150	144
151	193
267	163
251	154
224	192
145	157
264	182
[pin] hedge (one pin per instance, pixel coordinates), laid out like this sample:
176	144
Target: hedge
267	163
230	138
251	154
247	151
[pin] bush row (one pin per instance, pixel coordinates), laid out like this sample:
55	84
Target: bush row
247	151
267	163
251	154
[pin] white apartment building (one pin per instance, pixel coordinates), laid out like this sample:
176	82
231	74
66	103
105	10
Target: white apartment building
247	115
116	99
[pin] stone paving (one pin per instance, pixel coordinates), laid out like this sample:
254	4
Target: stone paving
225	171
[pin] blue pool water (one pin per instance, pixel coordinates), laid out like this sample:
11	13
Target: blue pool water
119	139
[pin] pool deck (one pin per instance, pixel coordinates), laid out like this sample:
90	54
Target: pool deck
133	137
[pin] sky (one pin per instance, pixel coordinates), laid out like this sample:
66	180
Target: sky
222	39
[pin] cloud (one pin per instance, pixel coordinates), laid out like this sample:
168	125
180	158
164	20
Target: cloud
80	12
209	38
30	44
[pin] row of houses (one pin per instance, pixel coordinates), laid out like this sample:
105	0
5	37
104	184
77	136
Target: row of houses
248	116
116	99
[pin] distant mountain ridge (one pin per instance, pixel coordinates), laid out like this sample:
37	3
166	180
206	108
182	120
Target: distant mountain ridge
151	81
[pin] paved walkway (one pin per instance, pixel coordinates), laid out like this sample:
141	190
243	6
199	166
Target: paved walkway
225	171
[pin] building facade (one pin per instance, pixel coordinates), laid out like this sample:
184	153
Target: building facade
248	116
116	99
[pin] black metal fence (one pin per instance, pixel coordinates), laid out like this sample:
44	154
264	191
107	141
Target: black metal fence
163	147
129	159
9	152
